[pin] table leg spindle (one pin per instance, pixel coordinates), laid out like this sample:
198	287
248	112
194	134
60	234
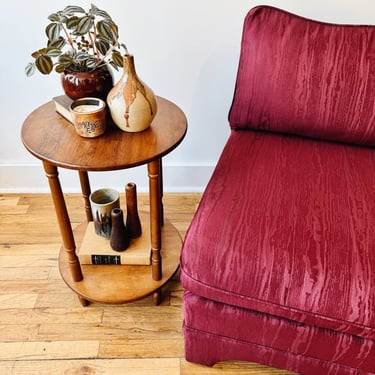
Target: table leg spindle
63	219
86	191
155	218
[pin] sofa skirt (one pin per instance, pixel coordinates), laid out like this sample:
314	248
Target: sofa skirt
216	332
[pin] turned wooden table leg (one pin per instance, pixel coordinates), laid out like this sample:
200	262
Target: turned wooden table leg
155	218
86	191
84	302
161	192
63	219
158	297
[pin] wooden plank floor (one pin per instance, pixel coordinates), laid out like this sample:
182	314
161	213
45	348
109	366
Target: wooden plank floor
45	330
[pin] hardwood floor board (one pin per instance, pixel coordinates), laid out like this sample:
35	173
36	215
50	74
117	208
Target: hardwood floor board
76	214
9	205
18	332
43	203
8	200
181	202
25	261
24	273
28	236
158	348
17	301
13	210
32	286
8	367
71	332
133	323
48	349
144	331
31	232
131	314
28	221
54	274
34	200
109	331
22	249
65	299
52	315
153	366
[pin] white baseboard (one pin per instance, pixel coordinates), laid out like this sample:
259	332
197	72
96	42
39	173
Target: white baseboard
30	178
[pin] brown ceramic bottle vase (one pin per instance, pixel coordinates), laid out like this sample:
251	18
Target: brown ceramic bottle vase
133	224
119	239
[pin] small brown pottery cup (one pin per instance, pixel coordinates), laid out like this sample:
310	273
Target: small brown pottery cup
89	116
102	202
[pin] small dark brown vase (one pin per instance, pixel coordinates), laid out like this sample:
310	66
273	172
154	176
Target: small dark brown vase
119	239
133	224
96	83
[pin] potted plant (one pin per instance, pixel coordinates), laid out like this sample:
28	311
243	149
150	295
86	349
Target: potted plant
81	45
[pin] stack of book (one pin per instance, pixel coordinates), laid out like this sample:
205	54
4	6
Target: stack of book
97	250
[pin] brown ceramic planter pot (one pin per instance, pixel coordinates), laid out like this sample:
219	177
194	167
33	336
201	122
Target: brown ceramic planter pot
95	84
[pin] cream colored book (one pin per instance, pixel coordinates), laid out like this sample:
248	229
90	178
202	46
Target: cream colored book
62	105
97	250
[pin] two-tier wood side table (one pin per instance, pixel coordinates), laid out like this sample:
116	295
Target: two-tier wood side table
53	140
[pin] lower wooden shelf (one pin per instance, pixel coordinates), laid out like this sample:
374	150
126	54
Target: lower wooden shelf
118	284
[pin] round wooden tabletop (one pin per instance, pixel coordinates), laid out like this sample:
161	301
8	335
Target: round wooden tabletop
49	137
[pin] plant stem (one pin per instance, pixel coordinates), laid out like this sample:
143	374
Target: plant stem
68	37
92	40
100	60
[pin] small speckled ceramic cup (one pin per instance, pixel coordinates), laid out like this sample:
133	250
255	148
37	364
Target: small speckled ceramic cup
102	202
89	116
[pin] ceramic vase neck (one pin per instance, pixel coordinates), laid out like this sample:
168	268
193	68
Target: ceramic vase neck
133	223
129	66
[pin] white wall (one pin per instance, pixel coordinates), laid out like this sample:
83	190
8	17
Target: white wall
187	51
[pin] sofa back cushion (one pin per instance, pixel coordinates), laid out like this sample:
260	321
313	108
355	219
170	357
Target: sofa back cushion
305	77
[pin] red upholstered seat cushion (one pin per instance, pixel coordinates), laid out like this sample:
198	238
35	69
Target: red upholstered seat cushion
306	77
286	227
324	351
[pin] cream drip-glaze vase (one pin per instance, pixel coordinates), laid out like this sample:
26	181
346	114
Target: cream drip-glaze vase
131	102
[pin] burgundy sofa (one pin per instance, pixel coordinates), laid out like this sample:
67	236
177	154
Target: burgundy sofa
278	264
